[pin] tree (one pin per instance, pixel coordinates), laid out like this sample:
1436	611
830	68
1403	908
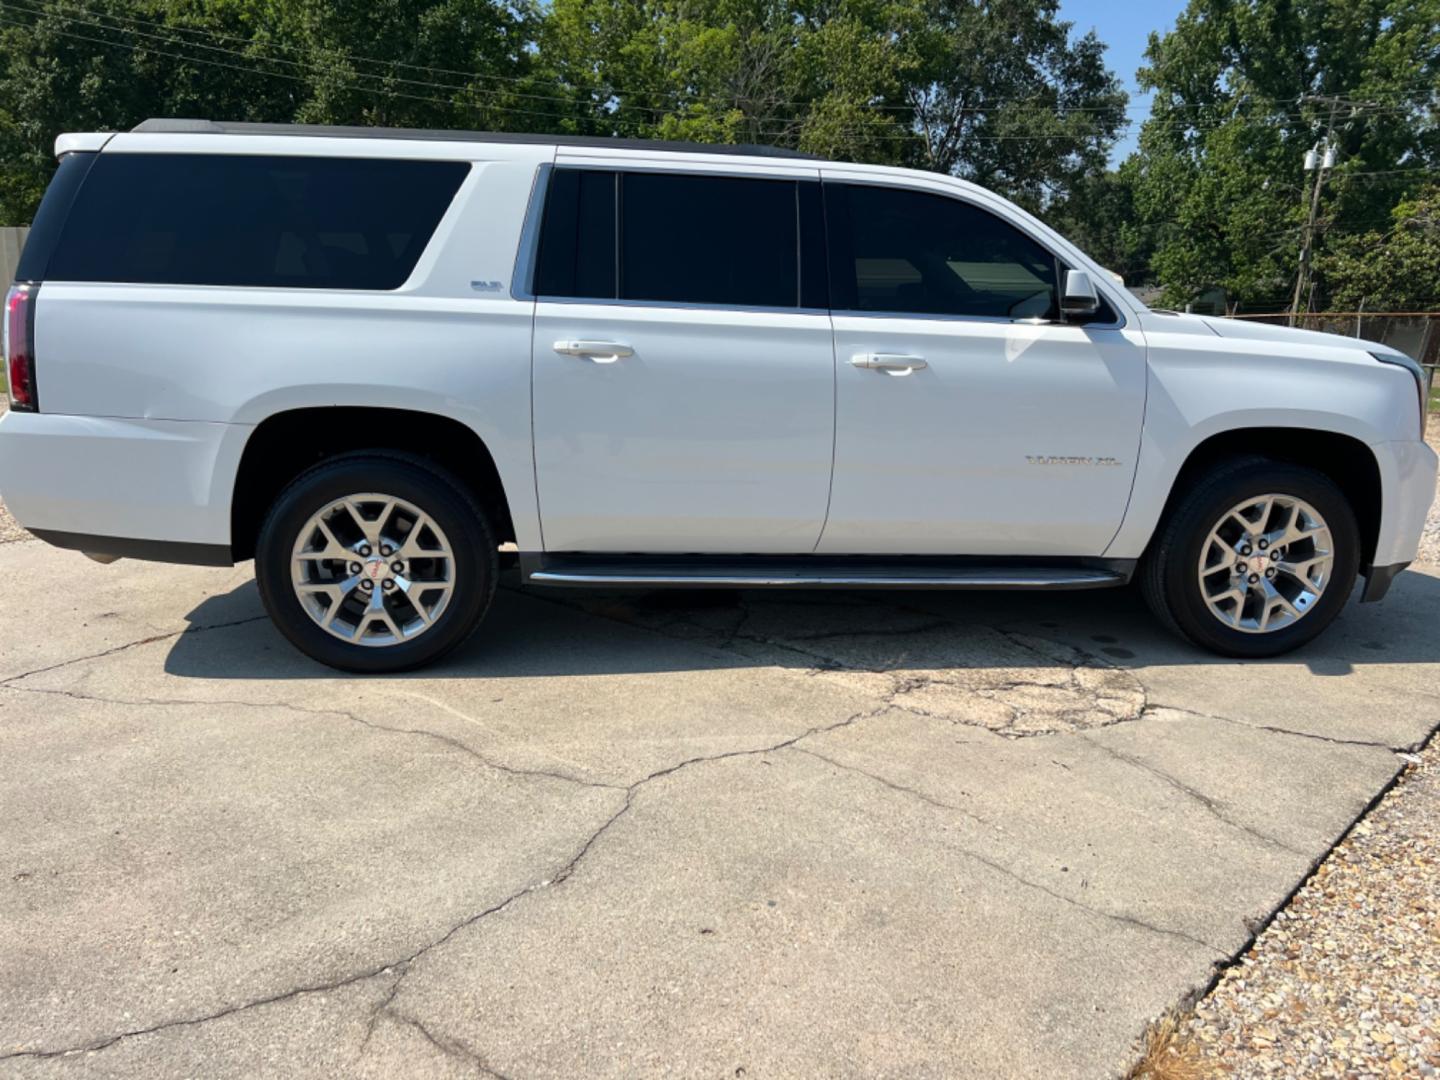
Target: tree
87	65
997	93
1099	216
1243	88
1396	269
1002	95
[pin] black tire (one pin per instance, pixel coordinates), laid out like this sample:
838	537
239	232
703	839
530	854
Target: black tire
428	488
1168	574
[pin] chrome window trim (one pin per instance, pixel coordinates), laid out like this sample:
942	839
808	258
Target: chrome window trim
681	305
991	319
783	171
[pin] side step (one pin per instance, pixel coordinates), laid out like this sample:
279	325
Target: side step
820	572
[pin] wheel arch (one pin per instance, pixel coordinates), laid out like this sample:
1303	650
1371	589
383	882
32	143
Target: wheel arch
286	443
1346	460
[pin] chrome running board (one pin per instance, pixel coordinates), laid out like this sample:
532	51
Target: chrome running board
813	572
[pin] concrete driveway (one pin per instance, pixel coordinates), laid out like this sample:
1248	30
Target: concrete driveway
704	835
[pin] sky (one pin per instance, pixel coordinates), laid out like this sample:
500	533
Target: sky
1125	26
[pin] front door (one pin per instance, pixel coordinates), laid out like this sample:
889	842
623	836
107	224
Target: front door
968	420
683	396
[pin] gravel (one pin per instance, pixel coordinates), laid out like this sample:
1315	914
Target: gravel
1346	981
1430	539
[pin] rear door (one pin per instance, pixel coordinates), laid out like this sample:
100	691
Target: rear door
683	362
970	420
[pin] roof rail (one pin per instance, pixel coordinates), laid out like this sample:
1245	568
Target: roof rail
226	127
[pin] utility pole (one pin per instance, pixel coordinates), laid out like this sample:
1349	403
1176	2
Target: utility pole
1319	158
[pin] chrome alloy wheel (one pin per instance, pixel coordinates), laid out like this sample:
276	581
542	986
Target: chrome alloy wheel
1266	563
372	569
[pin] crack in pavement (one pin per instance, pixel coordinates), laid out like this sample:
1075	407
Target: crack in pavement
885	632
1409	748
192	1021
898	787
1119	917
1089	703
449	1047
376	1012
284	706
1256	927
152	639
1212	805
399	969
403	965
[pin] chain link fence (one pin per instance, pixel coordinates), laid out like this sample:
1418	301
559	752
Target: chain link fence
1415	333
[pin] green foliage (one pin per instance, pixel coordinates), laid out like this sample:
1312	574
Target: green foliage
1220	185
87	65
1099	216
998	92
1397	269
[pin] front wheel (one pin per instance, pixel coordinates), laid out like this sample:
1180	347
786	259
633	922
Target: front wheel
1257	559
375	563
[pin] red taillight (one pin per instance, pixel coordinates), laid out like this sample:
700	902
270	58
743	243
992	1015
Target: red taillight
20	346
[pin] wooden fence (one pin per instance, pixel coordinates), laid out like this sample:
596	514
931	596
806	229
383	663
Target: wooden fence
12	239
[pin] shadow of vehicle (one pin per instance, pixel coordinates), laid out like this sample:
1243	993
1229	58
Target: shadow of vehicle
533	633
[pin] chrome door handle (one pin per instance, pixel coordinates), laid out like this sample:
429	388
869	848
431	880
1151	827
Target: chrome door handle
890	363
602	352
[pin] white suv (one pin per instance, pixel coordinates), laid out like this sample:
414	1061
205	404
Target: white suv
368	359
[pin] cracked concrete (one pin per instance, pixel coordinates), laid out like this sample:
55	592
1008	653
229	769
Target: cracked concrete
1008	682
849	834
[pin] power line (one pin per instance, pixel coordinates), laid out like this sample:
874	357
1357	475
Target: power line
612	118
252	57
375	90
126	25
578	104
575	108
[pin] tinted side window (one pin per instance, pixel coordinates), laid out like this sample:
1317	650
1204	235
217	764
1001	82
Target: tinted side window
285	222
709	240
576	257
50	218
914	252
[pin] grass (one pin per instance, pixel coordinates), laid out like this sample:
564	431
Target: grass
1166	1053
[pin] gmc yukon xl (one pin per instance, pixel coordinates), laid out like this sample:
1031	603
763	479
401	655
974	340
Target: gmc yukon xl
369	359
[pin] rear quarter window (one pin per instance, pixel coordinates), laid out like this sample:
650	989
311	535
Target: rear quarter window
250	220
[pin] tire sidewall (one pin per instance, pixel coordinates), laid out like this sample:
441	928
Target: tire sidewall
457	516
1192	530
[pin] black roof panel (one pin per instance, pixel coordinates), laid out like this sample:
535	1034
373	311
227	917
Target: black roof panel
225	127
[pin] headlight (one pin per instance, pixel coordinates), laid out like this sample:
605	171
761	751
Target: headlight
1422	386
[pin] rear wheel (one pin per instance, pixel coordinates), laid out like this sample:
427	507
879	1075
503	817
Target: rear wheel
374	563
1257	559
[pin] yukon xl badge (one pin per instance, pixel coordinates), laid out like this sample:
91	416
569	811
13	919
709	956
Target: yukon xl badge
1051	459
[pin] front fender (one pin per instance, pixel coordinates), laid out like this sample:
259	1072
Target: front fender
1205	392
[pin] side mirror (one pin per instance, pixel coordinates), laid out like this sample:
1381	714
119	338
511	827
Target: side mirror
1079	296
